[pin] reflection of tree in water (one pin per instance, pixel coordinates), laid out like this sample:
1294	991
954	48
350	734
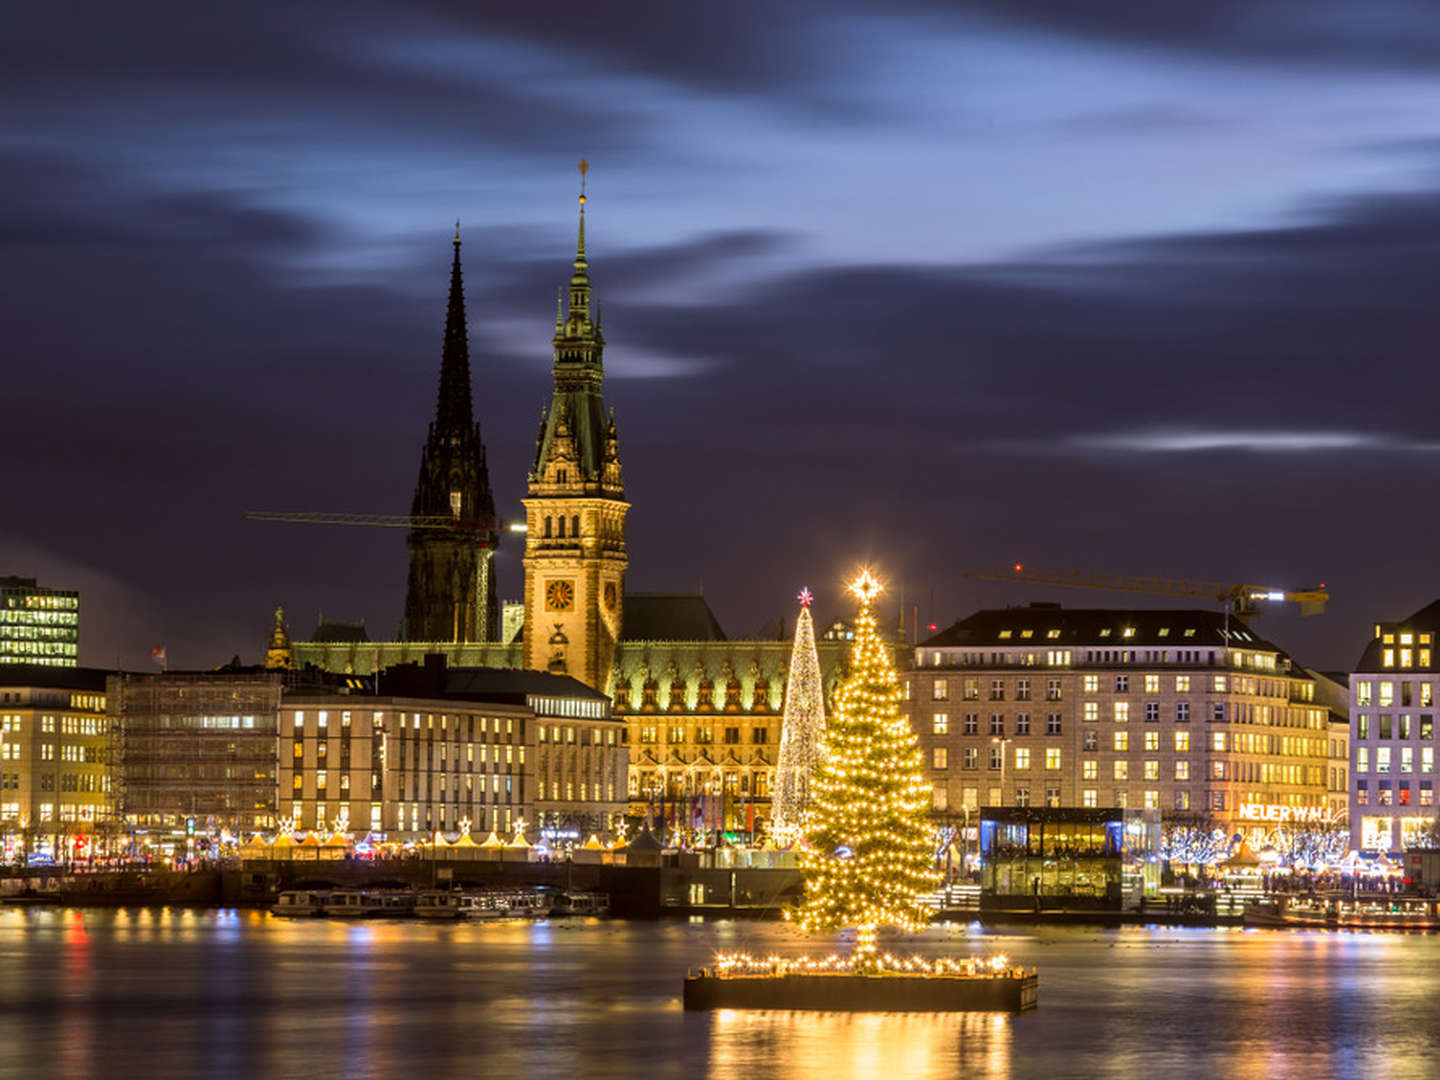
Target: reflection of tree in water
859	1046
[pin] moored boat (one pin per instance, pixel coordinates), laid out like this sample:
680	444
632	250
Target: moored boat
1380	911
354	904
580	903
301	903
435	904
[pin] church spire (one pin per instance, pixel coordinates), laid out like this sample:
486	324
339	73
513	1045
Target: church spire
580	279
453	410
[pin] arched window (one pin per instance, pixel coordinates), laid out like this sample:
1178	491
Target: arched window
575	525
561	533
547	528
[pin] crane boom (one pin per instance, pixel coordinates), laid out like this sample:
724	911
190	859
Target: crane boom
1240	598
384	521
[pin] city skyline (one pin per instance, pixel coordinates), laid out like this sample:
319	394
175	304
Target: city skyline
1143	297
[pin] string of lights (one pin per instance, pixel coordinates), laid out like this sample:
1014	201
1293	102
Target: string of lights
870	849
802	734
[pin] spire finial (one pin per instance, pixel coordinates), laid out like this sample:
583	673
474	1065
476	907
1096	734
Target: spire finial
457	232
580	246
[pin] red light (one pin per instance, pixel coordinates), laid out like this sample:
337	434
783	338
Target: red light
931	627
1019	569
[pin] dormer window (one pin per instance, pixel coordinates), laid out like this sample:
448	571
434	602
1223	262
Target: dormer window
560	479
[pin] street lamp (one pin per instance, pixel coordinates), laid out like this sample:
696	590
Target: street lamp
1004	741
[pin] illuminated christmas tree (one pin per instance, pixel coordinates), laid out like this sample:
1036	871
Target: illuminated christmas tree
802	733
872	849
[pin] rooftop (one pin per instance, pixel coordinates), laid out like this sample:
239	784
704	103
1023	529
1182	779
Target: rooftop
669	617
1049	626
52	677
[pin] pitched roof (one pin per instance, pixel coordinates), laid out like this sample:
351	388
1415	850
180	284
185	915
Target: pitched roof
49	677
669	617
331	631
1426	620
1043	626
494	684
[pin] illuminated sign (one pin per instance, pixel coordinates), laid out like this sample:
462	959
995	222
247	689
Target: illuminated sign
1276	812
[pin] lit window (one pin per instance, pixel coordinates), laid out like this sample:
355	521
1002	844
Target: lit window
1092	683
1052	757
1182	770
1122	741
1089	798
1182	742
940	723
940	758
1152	684
1022	757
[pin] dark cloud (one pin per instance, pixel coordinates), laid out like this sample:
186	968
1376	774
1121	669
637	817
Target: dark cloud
1384	33
930	418
1225	403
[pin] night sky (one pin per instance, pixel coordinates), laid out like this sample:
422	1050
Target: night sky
1150	289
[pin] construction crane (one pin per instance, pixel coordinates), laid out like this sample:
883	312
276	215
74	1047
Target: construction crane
389	521
1239	599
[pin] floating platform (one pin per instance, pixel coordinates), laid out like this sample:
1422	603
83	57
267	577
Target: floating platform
1009	991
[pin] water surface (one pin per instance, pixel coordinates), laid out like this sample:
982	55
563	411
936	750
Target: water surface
169	993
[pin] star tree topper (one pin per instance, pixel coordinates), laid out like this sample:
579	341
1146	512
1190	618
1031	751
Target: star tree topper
805	597
866	588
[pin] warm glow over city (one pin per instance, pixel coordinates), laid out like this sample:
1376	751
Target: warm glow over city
719	540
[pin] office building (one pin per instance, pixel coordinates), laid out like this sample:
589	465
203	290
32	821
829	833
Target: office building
38	625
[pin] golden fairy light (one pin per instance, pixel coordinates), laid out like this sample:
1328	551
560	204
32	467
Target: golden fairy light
870	848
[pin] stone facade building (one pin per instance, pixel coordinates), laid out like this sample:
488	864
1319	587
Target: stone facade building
1392	734
439	747
1185	711
56	790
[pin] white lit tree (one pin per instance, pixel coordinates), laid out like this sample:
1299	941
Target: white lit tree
802	733
871	849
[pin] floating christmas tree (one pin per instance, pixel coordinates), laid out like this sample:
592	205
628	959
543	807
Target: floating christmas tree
871	847
802	733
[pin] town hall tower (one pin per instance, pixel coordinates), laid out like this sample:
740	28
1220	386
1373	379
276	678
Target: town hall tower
575	557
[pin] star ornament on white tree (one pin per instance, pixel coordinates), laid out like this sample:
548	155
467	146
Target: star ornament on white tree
866	588
806	597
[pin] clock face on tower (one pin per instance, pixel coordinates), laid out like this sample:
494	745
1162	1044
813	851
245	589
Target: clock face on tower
611	595
560	596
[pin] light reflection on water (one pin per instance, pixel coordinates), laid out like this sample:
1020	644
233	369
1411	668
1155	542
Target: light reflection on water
238	994
841	1046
